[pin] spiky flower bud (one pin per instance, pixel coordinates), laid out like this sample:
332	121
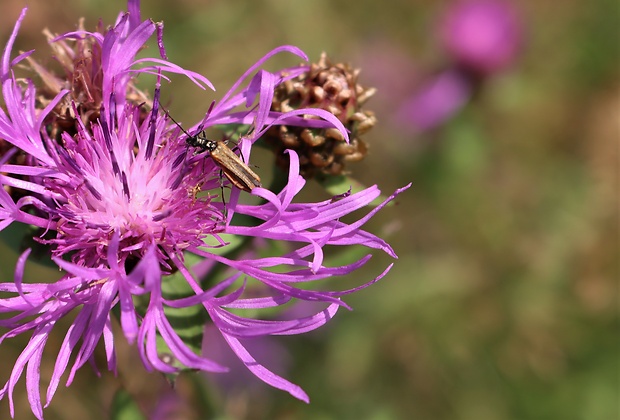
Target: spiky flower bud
334	88
79	57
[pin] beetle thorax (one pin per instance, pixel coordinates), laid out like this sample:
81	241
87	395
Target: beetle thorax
202	142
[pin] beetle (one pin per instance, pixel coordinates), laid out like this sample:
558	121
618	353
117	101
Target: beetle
233	168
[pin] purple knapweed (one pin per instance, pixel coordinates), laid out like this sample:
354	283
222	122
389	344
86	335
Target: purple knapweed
481	37
436	101
133	216
484	36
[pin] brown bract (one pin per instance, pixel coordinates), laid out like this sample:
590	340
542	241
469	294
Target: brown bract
334	88
77	68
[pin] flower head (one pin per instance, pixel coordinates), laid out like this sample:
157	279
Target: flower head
331	87
134	218
482	35
436	101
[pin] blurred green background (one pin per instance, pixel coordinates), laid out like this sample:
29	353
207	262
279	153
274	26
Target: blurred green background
503	303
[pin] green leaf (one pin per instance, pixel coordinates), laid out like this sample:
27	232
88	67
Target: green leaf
19	237
233	243
124	407
187	322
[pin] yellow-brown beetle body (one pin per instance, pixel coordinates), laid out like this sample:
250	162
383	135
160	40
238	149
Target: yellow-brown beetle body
233	168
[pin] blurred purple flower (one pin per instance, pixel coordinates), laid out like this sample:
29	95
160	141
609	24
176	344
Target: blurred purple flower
390	68
120	200
436	101
483	35
169	406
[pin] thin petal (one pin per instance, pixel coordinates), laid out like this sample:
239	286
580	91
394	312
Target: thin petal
263	373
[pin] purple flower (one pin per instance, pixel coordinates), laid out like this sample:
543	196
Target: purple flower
436	101
117	196
483	35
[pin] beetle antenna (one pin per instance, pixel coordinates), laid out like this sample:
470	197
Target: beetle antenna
175	121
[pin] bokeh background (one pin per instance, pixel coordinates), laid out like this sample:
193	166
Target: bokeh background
504	301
